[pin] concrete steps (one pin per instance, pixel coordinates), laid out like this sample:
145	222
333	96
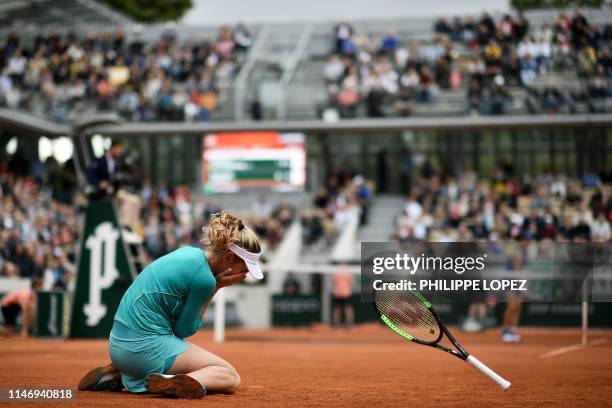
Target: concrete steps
383	211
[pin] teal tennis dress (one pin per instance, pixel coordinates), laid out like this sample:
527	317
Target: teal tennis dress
159	309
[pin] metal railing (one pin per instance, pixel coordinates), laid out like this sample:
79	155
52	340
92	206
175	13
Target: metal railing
241	81
362	126
25	123
29	124
105	11
296	58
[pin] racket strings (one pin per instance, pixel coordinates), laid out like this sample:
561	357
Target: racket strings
406	311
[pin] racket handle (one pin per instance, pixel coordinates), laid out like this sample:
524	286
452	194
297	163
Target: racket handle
504	384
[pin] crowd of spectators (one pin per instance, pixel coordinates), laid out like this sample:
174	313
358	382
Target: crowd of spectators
38	234
343	199
549	206
387	77
510	53
271	222
379	73
64	75
41	216
41	213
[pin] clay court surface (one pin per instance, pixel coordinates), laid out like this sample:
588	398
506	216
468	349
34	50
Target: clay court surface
368	366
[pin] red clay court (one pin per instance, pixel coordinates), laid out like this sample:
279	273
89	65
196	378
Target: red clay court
367	366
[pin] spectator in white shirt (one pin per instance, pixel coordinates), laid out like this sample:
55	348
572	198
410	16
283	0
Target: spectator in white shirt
333	69
527	47
600	228
558	187
262	207
16	67
413	208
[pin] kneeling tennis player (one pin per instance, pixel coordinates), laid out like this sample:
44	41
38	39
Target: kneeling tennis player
164	305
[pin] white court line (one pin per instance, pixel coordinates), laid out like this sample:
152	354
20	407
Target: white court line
567	349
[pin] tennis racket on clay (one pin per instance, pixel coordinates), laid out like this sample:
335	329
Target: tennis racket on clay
411	316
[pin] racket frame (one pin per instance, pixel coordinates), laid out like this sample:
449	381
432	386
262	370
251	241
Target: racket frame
460	352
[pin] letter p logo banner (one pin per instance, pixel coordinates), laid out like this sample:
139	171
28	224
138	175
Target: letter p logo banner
102	246
103	275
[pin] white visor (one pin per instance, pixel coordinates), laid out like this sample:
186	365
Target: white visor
250	259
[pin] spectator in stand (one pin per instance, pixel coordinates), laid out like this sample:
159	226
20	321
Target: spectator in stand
242	38
543	53
493	57
256	109
284	214
579	27
499	97
604	63
425	93
598	93
600	228
334	69
348	96
261	207
389	44
343	32
506	28
441	26
363	195
56	277
528	69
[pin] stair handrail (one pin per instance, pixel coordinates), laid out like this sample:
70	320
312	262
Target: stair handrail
245	71
296	57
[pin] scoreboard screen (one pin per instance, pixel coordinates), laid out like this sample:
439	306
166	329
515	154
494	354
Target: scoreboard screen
253	160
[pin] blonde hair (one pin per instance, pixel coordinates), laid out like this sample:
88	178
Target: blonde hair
224	229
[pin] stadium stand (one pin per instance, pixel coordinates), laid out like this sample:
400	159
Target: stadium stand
506	206
68	76
286	70
472	66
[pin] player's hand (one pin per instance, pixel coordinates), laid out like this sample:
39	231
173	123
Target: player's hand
229	278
